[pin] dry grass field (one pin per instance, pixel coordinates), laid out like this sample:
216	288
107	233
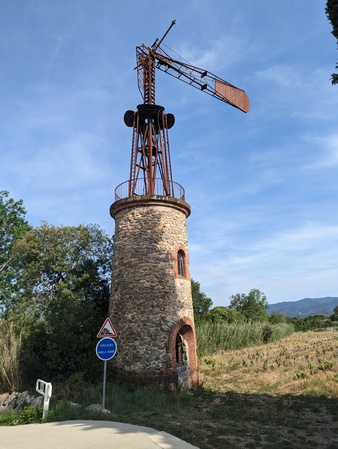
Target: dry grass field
302	364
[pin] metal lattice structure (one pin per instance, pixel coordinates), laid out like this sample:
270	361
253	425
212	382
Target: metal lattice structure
150	164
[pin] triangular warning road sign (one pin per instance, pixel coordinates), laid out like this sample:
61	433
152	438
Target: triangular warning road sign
107	330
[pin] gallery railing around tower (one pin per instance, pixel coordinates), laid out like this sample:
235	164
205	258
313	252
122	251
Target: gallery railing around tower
139	189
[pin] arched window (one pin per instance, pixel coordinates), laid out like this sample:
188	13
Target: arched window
181	350
181	263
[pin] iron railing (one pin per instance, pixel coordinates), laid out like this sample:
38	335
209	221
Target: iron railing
140	189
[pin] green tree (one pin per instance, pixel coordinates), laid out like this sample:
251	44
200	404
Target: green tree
65	282
58	262
225	315
310	323
253	306
334	316
13	226
201	303
278	318
332	14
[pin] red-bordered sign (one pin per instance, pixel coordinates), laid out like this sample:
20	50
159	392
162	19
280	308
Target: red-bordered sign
107	330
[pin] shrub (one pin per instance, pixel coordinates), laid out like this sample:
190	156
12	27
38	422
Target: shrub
28	415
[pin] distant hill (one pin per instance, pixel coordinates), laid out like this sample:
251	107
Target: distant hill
306	307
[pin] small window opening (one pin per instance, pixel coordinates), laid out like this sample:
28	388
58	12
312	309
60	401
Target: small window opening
180	263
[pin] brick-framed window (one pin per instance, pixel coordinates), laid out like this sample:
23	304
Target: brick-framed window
180	263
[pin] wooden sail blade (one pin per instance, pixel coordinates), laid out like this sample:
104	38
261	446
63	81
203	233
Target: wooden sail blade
232	95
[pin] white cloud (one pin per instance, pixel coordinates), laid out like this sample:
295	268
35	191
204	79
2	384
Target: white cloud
284	76
328	152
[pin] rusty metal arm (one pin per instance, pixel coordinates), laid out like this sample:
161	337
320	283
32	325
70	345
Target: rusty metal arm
202	79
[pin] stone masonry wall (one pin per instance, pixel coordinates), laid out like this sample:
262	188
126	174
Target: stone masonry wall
147	296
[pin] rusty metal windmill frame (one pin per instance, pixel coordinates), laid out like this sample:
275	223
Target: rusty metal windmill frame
150	165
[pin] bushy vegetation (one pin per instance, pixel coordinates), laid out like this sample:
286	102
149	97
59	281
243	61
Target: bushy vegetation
311	323
28	415
214	337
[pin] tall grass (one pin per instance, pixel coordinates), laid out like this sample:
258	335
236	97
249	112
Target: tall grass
10	357
213	337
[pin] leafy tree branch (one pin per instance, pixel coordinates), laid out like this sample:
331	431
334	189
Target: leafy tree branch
332	15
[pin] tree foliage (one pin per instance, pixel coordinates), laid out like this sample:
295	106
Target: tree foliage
225	315
13	226
201	303
332	14
278	318
62	277
62	262
253	306
65	276
334	316
309	323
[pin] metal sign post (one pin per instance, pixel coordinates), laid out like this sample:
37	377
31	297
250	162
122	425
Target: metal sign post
44	388
105	350
104	385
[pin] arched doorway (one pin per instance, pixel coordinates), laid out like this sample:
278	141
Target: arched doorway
182	347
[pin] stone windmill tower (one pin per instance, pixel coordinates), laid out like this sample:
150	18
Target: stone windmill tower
151	302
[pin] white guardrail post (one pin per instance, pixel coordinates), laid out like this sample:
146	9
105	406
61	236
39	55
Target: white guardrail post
44	388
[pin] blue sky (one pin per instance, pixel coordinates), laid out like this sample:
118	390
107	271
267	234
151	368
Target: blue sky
262	186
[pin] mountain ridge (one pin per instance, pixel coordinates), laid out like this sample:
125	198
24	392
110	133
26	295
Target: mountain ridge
305	307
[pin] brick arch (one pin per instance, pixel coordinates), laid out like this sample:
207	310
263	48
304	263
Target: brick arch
186	328
174	261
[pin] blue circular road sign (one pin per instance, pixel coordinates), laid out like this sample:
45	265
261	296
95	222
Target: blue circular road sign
106	348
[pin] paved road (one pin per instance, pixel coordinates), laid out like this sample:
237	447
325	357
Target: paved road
87	435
